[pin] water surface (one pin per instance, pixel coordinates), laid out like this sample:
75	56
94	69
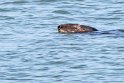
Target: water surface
32	51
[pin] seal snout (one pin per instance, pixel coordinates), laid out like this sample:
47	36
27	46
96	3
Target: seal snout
75	28
61	29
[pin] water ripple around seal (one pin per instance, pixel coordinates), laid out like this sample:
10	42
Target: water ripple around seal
32	51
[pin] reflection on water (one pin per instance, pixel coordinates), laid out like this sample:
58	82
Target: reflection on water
32	51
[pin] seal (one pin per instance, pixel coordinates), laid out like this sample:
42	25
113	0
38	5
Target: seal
75	28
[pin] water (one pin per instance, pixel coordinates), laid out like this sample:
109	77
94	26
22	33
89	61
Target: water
32	51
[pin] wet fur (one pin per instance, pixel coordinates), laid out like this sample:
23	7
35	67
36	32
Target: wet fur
75	28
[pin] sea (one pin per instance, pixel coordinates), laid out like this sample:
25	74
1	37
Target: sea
32	50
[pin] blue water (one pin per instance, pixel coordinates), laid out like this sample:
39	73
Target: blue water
32	50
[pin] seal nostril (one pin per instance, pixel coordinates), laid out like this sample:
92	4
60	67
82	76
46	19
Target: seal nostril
59	28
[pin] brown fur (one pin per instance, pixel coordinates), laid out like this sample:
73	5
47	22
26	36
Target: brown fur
75	28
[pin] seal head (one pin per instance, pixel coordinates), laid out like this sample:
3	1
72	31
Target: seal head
75	28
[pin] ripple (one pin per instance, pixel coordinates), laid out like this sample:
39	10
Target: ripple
6	17
61	12
32	50
4	10
15	2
